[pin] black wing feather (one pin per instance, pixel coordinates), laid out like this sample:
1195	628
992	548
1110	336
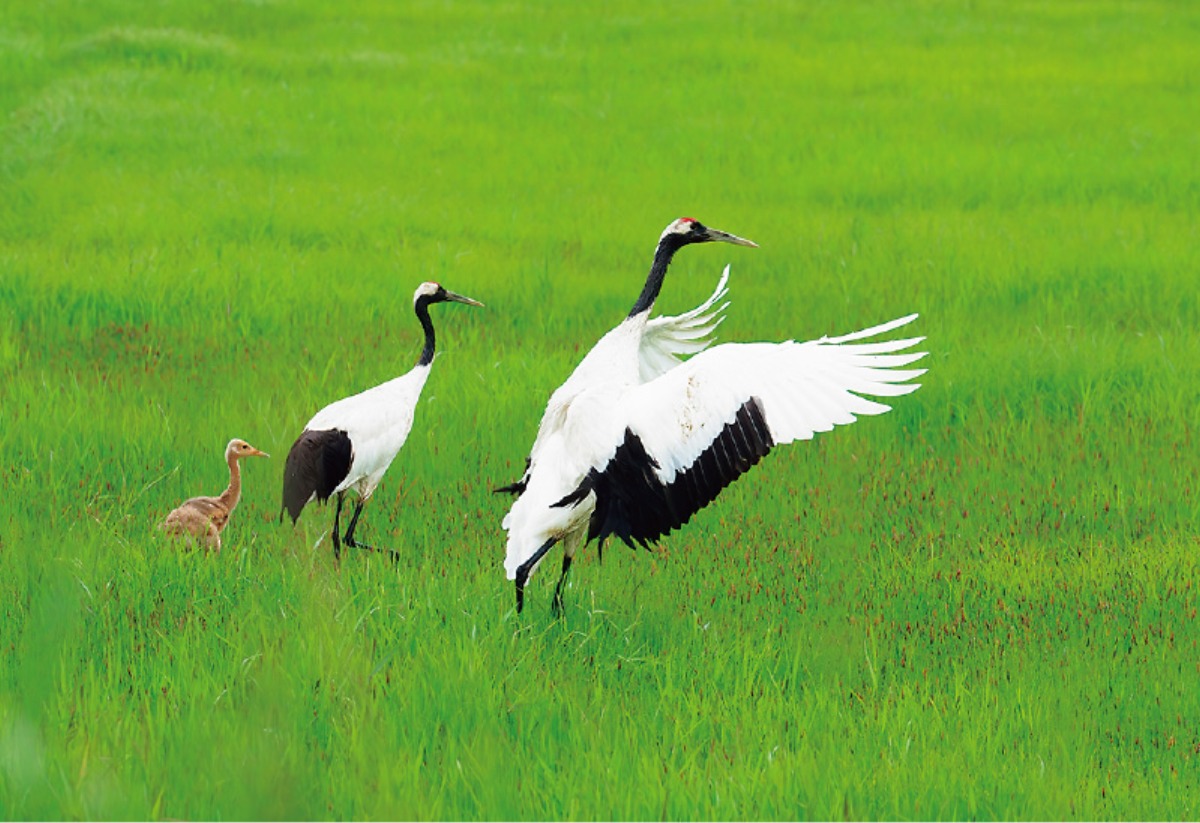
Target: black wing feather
633	504
316	464
517	488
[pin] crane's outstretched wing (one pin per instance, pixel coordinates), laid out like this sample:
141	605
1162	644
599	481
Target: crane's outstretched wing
667	338
697	428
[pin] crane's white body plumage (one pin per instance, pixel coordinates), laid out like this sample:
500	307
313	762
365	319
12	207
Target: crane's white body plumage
378	421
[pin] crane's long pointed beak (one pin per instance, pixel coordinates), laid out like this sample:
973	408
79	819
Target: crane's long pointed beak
258	453
458	298
726	237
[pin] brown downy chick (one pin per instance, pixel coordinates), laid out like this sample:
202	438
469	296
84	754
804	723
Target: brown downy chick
204	518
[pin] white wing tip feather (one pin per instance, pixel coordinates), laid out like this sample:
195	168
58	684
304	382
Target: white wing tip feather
882	328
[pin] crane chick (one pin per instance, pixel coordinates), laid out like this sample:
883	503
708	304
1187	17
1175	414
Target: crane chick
204	518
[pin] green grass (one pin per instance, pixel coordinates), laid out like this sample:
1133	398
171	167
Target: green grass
983	604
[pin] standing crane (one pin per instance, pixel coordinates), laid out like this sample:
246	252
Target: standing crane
351	443
204	518
636	441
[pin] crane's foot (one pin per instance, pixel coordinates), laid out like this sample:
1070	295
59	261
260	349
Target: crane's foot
392	553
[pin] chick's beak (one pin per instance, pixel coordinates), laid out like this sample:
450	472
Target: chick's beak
726	237
258	453
458	298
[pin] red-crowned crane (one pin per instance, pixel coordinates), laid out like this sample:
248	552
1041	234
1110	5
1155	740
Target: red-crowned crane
204	518
635	441
351	443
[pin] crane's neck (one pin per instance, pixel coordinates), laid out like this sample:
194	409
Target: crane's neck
422	309
667	247
230	497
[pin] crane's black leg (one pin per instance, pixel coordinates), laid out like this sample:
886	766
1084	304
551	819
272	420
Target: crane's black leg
349	538
557	603
337	544
350	541
524	570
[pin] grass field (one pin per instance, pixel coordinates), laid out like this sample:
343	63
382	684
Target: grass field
981	605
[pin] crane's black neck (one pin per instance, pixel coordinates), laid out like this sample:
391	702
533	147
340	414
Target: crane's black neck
422	309
667	247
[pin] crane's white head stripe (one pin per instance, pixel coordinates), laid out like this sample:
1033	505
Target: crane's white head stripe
681	226
427	289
